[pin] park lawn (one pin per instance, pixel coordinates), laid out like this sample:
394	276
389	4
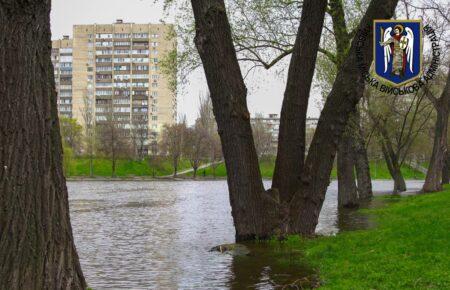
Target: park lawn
408	248
124	167
378	170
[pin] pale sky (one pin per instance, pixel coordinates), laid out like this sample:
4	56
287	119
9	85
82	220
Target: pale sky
265	88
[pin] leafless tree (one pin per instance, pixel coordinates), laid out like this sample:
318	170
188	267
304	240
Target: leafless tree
196	147
113	136
88	116
173	142
139	136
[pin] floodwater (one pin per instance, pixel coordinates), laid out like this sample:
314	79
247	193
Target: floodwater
157	235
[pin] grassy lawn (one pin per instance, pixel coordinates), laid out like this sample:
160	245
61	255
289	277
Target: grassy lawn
124	167
378	170
408	249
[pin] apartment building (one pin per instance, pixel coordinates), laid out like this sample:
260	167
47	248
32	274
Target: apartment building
62	62
116	67
272	121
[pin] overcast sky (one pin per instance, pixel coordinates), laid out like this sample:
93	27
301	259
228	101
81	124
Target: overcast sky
265	88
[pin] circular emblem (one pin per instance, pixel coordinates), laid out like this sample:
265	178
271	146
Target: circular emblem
403	42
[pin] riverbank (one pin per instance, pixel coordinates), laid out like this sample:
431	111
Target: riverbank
408	249
78	169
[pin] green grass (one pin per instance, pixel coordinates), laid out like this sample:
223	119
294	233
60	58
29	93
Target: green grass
378	170
408	249
124	167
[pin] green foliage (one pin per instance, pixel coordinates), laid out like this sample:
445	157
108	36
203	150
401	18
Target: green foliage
124	167
407	250
67	158
71	133
378	170
169	65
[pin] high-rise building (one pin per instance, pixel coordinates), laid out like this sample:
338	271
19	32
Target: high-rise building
62	63
116	67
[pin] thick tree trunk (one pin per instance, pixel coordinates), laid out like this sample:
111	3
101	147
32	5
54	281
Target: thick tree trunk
347	90
291	140
255	213
362	167
347	190
434	173
353	129
347	193
36	243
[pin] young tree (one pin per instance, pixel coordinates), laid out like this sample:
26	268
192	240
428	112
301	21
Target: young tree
196	146
36	243
154	160
88	115
441	105
173	142
71	133
257	213
398	121
207	121
139	136
113	137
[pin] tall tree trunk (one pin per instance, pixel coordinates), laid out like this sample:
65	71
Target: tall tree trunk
346	161
446	168
362	166
393	166
347	90
291	140
347	194
36	243
343	41
254	212
434	173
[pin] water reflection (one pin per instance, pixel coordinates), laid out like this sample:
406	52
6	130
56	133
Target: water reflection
156	235
271	267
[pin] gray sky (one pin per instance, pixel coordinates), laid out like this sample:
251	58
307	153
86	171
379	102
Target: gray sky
265	88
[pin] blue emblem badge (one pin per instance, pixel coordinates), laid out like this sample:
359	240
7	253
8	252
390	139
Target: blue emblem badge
398	50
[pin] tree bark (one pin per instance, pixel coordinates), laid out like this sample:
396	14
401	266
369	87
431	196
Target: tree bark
445	169
36	243
353	129
347	193
292	135
255	213
434	173
393	166
347	90
362	166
